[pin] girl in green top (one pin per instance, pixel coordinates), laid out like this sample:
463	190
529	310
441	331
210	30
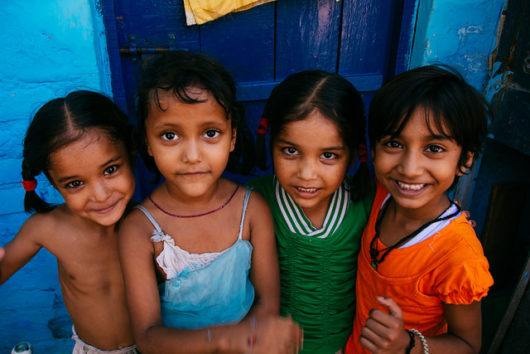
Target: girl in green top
317	126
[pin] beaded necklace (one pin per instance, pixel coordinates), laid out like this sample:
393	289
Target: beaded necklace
195	215
374	252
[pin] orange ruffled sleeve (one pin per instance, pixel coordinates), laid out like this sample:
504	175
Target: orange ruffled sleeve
464	277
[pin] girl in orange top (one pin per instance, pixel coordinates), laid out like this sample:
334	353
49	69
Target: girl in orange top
422	271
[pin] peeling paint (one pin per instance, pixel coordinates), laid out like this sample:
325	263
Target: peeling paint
462	34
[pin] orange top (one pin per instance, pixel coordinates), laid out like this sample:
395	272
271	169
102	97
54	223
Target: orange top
448	267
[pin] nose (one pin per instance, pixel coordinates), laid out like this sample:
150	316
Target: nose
307	169
191	151
101	191
410	164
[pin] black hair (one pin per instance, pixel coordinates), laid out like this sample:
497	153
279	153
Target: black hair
452	106
178	71
334	97
62	121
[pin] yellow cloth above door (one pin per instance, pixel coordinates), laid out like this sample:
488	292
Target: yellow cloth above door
201	11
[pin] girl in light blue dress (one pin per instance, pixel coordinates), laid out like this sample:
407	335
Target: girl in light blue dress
199	254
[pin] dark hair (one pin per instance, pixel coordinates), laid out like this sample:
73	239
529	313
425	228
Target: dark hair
451	105
176	72
334	97
62	121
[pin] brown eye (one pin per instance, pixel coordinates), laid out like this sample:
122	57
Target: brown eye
111	169
212	133
74	184
435	149
289	150
329	156
169	136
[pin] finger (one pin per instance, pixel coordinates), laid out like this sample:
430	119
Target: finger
369	339
367	344
2	253
380	328
467	214
393	309
457	202
473	223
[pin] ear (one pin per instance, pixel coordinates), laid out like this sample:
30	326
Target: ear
149	151
233	140
467	164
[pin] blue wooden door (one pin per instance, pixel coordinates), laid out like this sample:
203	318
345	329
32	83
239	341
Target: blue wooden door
367	41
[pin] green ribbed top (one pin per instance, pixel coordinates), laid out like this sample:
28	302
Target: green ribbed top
317	266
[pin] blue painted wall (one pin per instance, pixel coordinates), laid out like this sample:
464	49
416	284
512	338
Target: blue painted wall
52	47
461	33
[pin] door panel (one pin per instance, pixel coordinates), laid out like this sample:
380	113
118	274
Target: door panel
366	41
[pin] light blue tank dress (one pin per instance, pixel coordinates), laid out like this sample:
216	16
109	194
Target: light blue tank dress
218	293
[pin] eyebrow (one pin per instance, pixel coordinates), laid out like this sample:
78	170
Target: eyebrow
439	137
67	178
334	148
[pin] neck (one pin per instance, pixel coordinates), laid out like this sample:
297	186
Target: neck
316	216
416	217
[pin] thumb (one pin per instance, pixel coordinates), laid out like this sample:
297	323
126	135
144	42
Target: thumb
393	309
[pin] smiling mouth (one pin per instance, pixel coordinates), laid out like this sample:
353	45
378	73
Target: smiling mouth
107	209
412	187
306	190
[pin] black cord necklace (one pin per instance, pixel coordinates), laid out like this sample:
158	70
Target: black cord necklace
374	252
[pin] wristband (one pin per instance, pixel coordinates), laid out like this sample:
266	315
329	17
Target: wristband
422	339
412	342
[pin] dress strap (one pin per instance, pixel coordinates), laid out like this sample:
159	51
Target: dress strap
245	203
150	217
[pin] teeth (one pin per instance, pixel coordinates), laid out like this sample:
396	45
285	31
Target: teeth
307	190
412	187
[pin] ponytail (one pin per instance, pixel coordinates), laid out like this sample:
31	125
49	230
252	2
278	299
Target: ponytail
32	201
261	144
362	180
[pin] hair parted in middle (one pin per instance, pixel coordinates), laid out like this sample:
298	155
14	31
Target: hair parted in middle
63	121
333	96
178	71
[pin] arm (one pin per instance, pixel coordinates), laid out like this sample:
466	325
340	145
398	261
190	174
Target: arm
137	257
264	272
22	247
384	333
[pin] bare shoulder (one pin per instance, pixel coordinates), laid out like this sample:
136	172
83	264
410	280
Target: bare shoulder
257	203
259	217
135	229
42	228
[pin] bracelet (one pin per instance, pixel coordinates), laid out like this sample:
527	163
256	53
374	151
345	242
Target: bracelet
422	339
251	341
412	342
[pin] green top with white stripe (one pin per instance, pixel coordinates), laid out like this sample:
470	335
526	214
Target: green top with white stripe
318	266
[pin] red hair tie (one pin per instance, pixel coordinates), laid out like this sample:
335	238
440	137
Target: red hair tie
29	186
263	126
363	153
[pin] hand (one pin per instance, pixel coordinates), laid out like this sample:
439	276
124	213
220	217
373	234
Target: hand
2	254
384	333
277	335
471	222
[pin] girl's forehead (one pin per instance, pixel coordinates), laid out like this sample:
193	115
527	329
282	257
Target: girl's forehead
312	129
161	98
432	121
